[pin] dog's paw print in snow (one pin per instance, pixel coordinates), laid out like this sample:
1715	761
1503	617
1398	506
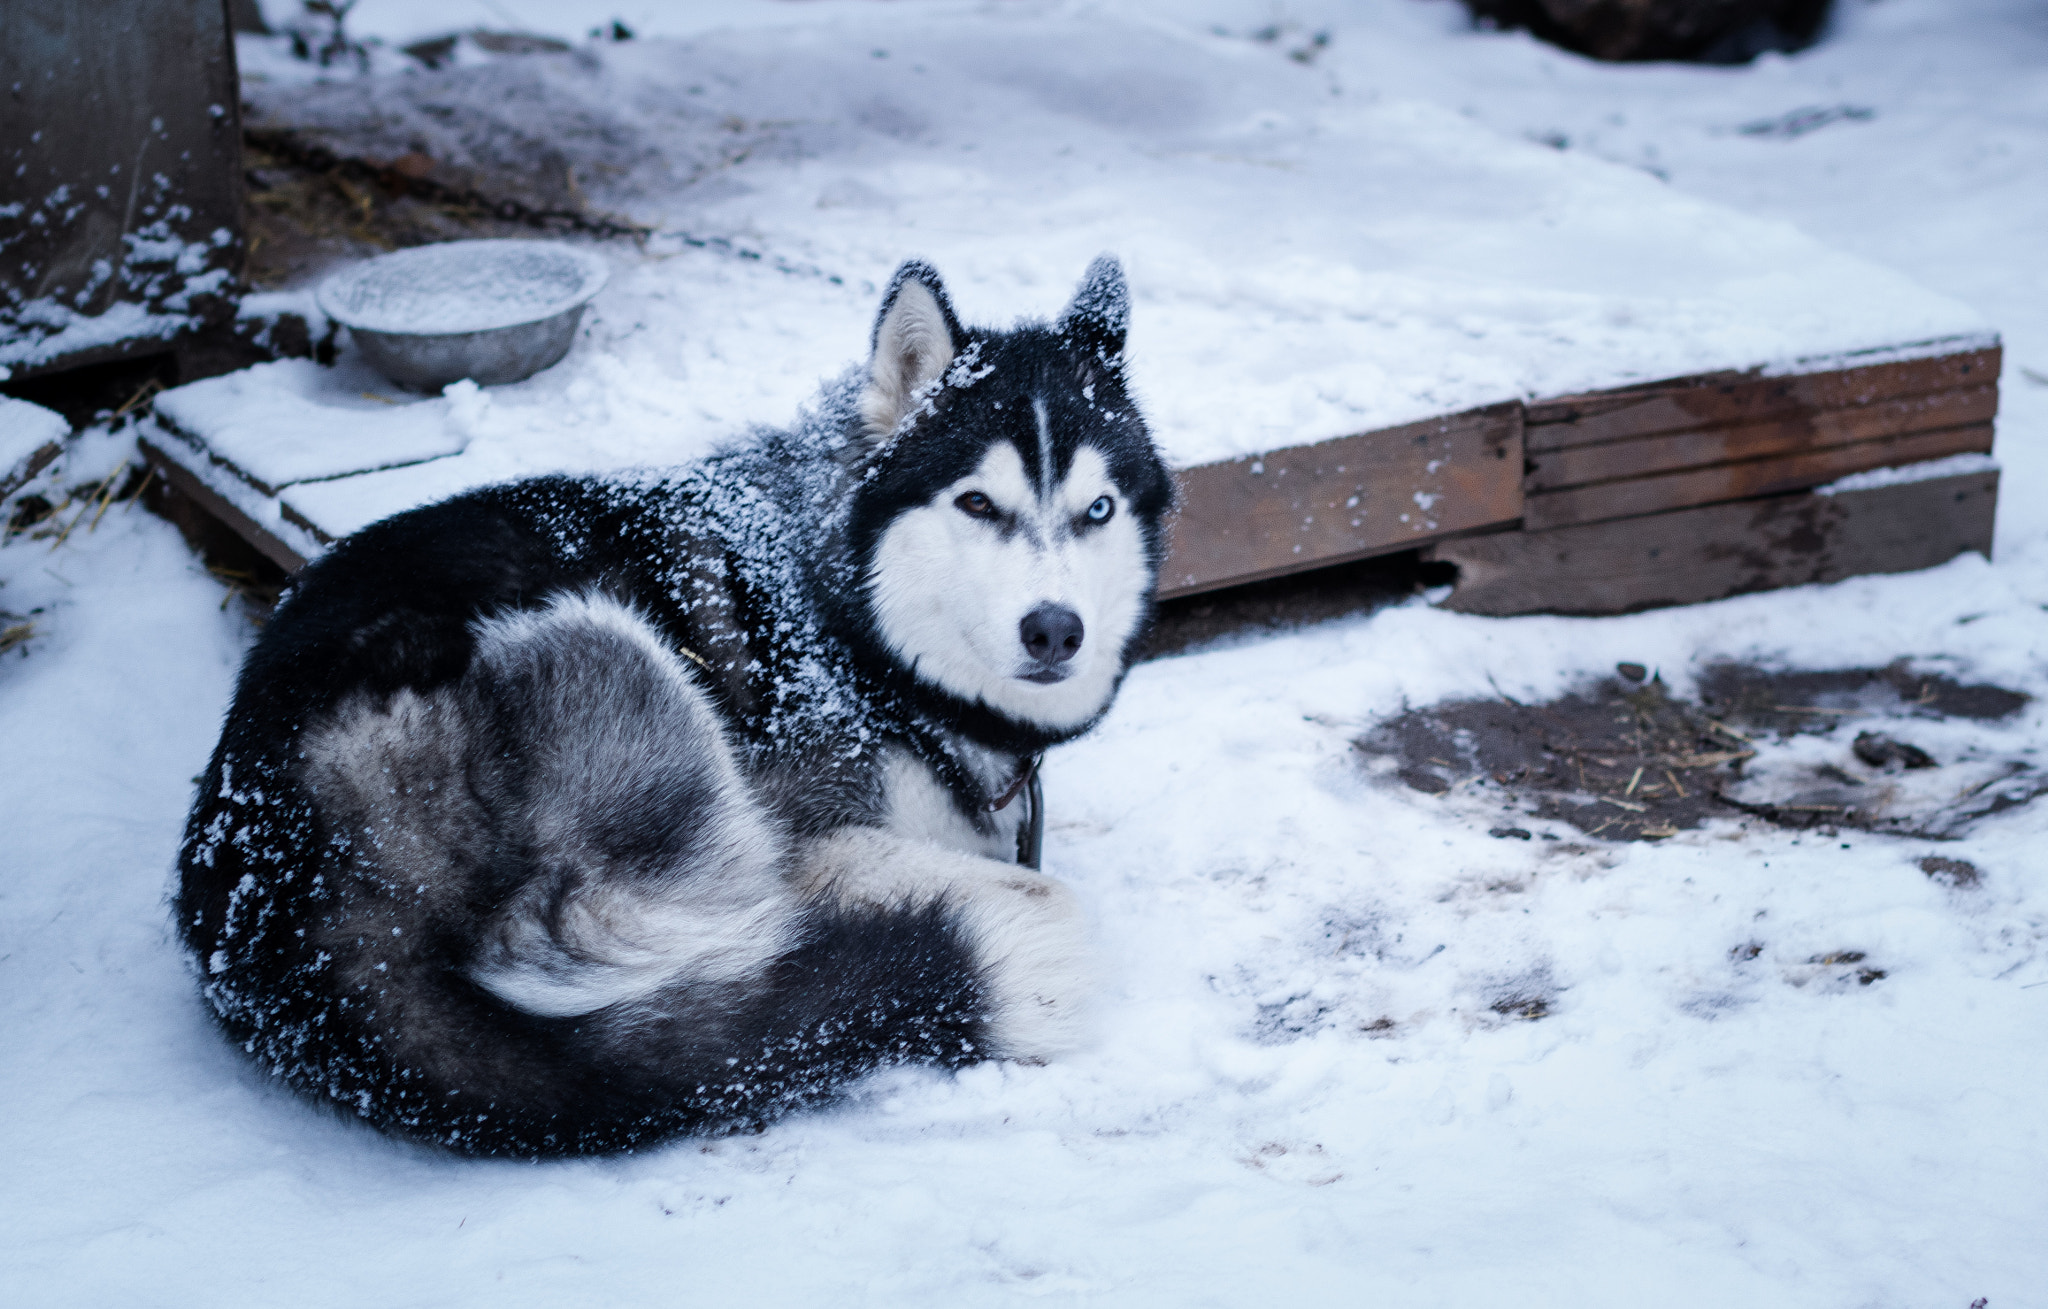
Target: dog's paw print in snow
1038	1273
1364	979
1335	971
1754	970
1837	970
1302	1004
1527	997
1831	971
1296	1163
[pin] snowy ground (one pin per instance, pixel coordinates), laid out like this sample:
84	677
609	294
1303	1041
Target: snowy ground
1684	1126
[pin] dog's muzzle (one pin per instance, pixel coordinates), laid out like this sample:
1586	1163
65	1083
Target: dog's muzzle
1052	637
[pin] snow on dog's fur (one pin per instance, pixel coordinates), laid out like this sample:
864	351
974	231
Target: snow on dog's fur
571	814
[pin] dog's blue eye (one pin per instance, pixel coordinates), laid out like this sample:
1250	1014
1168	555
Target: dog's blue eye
1100	511
977	504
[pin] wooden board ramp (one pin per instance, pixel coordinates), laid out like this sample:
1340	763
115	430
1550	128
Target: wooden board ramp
1310	506
1672	492
1700	440
1714	551
1698	488
180	468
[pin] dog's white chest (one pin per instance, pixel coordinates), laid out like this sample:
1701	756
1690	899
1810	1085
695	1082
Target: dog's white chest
920	807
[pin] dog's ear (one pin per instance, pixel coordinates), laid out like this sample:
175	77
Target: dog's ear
916	336
1100	313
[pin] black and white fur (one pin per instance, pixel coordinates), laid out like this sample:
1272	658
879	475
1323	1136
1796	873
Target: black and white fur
571	814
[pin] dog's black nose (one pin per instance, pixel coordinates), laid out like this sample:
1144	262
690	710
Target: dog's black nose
1051	634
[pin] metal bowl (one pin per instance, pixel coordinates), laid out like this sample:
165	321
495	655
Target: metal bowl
491	311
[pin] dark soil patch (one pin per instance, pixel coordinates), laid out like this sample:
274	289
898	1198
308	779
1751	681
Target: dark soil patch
1878	750
1617	760
1956	874
1785	702
1625	760
301	221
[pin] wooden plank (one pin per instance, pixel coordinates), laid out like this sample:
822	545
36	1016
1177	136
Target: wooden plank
1694	555
1719	399
1344	499
1334	501
199	449
381	452
297	519
1742	481
220	507
123	114
1784	434
35	461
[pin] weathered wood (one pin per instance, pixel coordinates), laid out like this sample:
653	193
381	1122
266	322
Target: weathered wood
199	449
1742	481
35	461
171	470
1708	553
124	120
292	515
1354	497
1718	399
1790	433
1344	499
367	461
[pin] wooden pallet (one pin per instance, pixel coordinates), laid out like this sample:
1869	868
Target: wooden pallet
1667	493
1310	506
1689	490
1702	440
1638	460
1707	553
180	467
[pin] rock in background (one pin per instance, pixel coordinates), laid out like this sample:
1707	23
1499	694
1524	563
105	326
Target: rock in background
1709	31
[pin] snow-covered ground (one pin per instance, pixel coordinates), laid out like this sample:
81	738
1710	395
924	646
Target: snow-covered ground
1685	1126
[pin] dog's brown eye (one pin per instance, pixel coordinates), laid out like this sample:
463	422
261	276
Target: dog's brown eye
977	504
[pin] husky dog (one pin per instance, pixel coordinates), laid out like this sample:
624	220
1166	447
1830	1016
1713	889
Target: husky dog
571	814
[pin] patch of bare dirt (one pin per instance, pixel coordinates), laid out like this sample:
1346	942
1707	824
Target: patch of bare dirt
1625	760
302	219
